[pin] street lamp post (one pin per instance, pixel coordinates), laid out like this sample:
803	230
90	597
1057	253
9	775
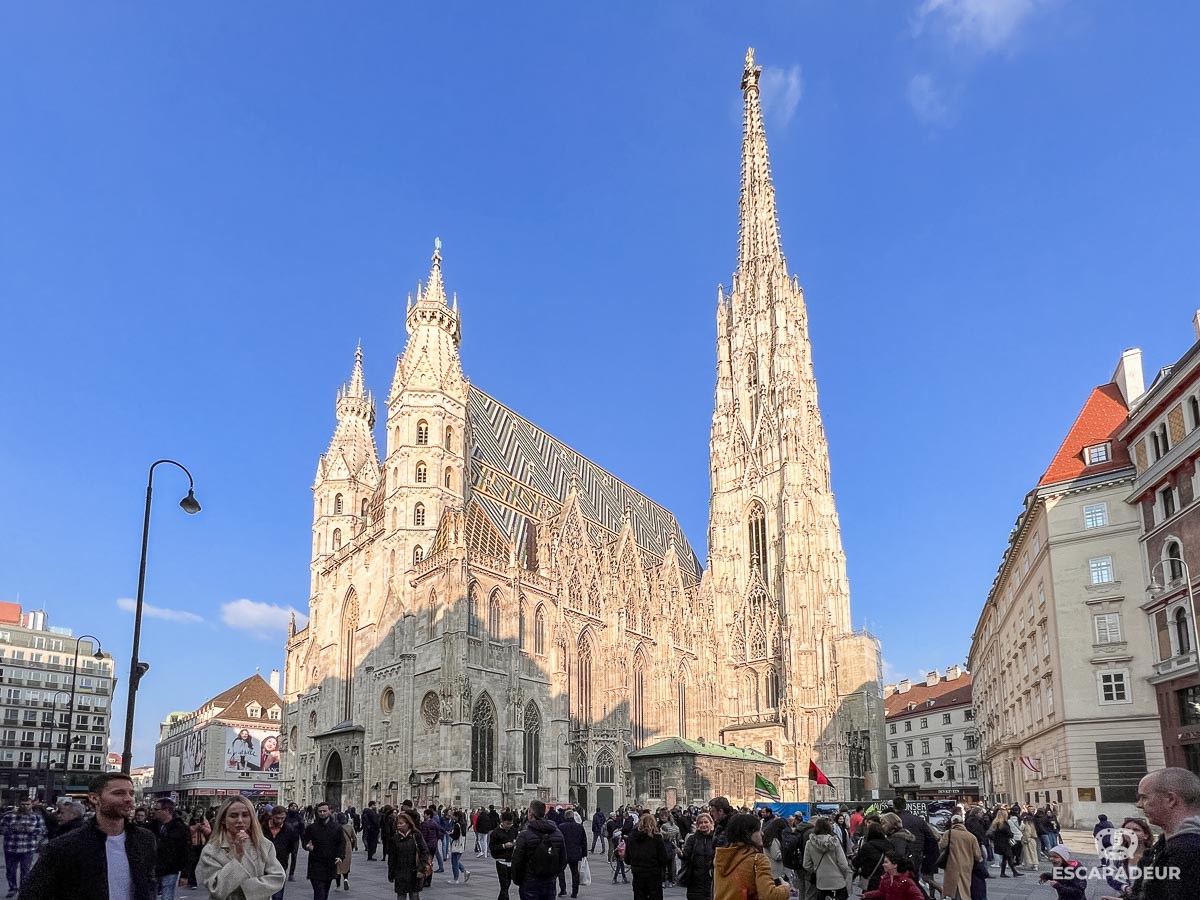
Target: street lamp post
98	655
1154	588
137	668
50	748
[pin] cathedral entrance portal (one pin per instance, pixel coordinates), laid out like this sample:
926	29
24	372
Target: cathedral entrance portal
604	799
581	798
333	781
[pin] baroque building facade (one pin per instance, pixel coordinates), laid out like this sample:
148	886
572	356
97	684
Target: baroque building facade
495	618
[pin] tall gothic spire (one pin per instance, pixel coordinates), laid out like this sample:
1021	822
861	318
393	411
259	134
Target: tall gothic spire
353	439
434	291
758	242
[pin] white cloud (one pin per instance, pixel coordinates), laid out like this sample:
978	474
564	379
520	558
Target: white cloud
987	24
780	90
927	100
265	620
158	612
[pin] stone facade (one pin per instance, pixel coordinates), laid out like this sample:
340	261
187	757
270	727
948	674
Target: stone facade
1060	654
676	771
494	618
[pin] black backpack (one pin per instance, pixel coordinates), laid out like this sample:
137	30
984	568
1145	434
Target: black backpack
791	846
543	862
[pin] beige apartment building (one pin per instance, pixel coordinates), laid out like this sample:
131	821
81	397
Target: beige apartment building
933	749
1062	651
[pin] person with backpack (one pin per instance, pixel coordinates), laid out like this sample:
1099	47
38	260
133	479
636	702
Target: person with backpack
696	872
826	860
539	855
617	847
902	840
792	843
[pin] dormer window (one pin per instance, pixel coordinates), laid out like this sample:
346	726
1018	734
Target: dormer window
254	711
274	713
1097	453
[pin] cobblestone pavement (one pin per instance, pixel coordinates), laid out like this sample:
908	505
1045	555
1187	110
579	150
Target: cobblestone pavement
368	881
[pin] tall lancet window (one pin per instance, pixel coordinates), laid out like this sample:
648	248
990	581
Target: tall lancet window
483	741
533	744
752	387
638	710
349	627
583	687
757	530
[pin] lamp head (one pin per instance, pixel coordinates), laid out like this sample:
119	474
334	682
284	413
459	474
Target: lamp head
99	654
190	504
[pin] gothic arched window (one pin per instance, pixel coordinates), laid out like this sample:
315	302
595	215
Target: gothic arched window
337	504
532	744
583	680
1183	631
752	386
683	688
758	645
757	529
483	740
418	554
419	514
473	610
1174	561
494	615
448	444
448	478
539	631
593	600
772	685
575	593
422	433
364	508
654	783
521	625
606	769
432	613
422	474
638	717
337	539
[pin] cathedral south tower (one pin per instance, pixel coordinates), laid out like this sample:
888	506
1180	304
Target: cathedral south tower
799	682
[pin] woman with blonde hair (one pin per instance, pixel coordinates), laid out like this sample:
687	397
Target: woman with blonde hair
1002	835
645	854
238	858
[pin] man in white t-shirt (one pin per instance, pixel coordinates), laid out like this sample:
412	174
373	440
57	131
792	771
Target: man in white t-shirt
107	859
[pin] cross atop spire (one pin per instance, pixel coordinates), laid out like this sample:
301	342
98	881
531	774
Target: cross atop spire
758	243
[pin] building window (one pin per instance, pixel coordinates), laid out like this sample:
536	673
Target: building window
972	772
1189	705
908	724
494	615
925	746
521	625
1183	631
337	539
337	504
449	438
1194	409
1097	453
539	632
1101	569
949	745
583	681
431	712
891	728
1108	628
924	722
387	702
1113	688
419	514
945	718
654	783
1167	498
697	783
532	745
772	681
895	750
418	554
422	474
769	748
422	433
908	745
1095	515
912	773
1174	560
483	741
637	719
758	539
448	478
895	774
606	769
473	612
927	774
972	741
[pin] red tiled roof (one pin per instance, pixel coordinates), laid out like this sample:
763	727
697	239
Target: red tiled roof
1099	421
944	695
10	613
233	702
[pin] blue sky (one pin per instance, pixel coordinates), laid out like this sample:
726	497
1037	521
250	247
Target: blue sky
202	210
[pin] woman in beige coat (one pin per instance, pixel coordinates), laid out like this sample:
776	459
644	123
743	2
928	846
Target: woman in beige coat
1029	840
350	845
238	860
964	853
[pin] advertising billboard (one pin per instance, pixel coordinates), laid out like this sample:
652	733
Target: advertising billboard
193	753
251	750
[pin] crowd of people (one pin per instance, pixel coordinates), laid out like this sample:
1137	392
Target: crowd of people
110	849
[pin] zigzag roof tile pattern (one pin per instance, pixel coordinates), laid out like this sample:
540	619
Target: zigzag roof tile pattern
505	443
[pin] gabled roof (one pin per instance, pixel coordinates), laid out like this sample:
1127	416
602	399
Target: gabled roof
673	746
1099	421
506	442
943	695
234	702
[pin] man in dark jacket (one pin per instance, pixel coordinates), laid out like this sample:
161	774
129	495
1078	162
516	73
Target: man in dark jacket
286	837
977	821
597	830
925	850
539	855
575	847
721	812
323	840
173	843
106	859
431	830
1170	798
370	829
501	841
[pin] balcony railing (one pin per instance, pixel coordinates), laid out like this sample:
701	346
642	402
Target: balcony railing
1175	665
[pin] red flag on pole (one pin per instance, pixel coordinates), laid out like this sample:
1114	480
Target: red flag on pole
815	774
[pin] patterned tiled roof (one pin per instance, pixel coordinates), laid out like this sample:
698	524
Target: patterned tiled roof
517	468
1099	421
234	702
